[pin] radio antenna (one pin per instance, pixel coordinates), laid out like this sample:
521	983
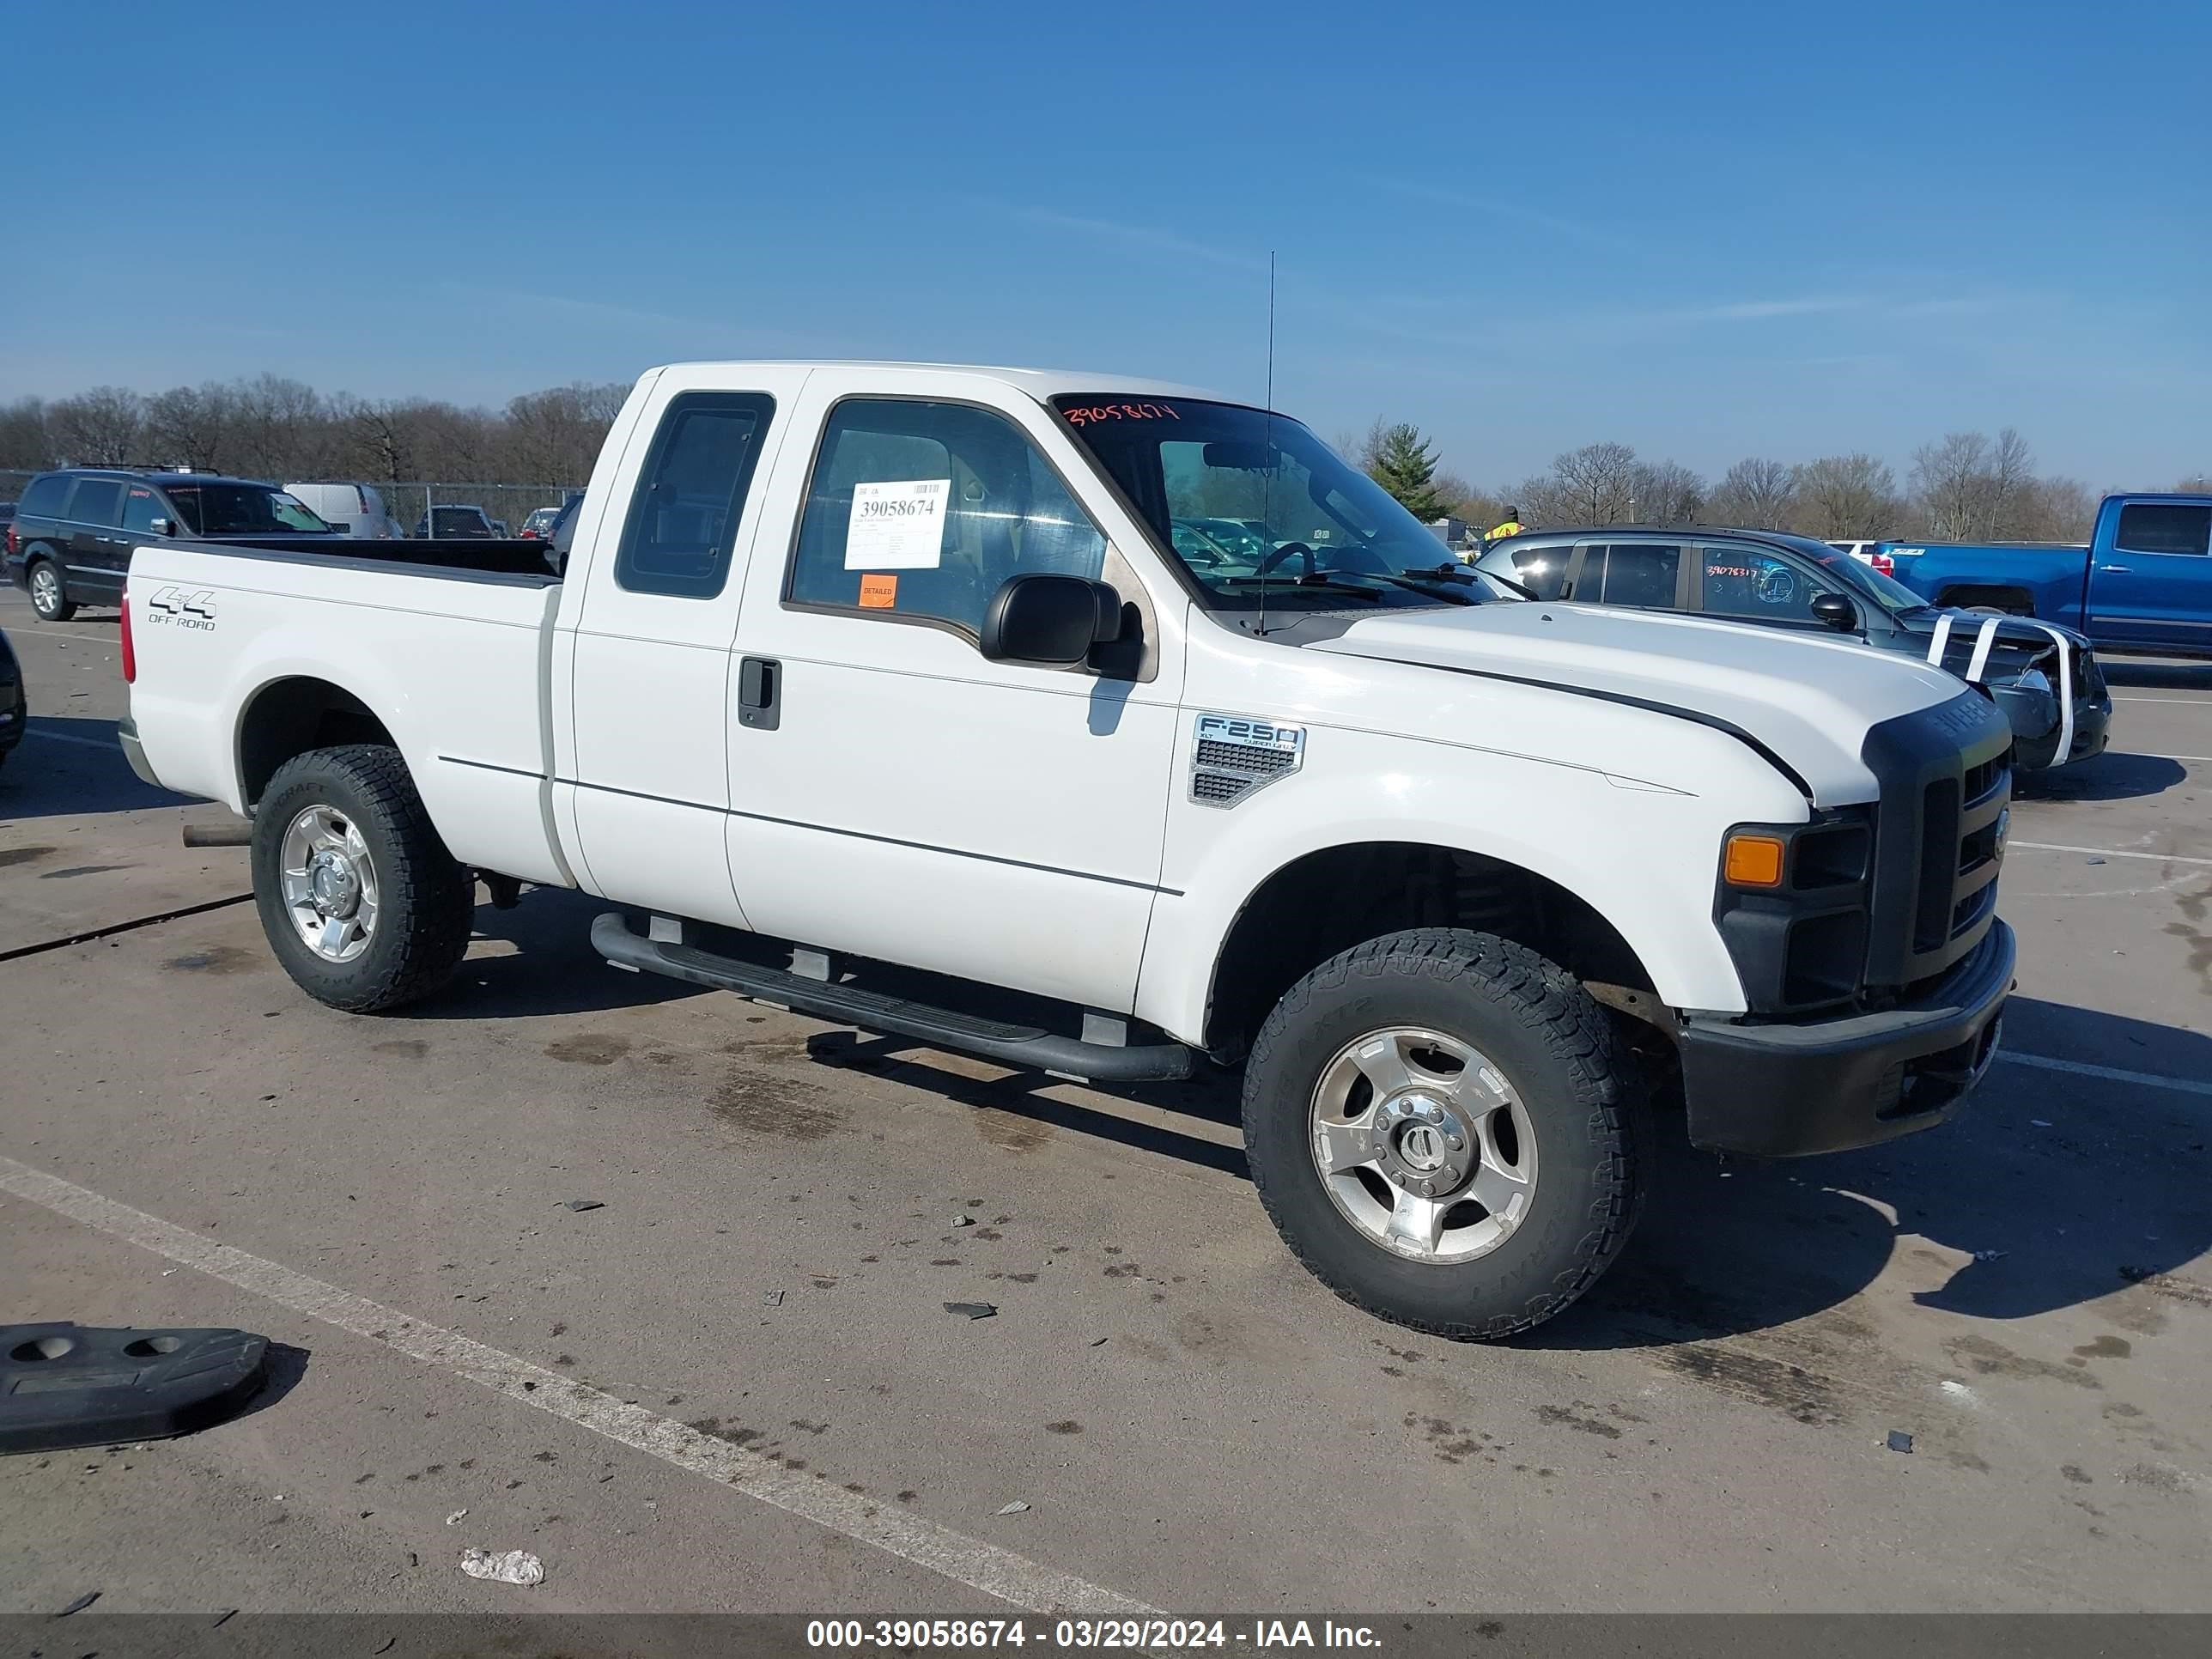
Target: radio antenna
1268	488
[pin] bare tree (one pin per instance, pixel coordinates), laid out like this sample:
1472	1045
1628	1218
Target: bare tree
1666	492
1953	488
1754	494
1845	496
24	443
1594	485
99	428
554	435
2197	483
190	426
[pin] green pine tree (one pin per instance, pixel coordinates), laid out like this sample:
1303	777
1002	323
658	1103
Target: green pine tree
1404	465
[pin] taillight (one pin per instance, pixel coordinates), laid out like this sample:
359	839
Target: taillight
14	542
1883	564
130	657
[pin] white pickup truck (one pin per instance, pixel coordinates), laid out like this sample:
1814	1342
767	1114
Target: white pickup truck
1143	702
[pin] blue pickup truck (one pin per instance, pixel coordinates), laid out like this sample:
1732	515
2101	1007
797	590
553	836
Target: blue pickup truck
2142	584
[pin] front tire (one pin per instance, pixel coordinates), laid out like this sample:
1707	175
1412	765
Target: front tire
1464	1065
361	900
49	596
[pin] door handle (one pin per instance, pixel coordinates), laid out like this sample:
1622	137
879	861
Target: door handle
2116	569
760	692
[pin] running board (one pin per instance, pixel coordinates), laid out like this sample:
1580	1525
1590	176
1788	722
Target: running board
1021	1045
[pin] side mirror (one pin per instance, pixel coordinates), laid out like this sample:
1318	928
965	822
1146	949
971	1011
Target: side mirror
1043	617
161	527
1838	612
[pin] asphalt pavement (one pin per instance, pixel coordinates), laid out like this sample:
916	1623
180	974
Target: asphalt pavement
734	1385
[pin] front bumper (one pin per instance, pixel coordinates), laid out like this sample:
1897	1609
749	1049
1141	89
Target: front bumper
126	734
2035	727
1828	1086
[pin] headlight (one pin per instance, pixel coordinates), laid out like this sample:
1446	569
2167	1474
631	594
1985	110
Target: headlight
2033	679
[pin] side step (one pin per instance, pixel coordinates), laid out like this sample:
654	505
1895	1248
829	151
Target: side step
1021	1045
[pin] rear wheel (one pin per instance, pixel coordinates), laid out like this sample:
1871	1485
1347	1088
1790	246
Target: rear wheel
359	898
1440	1125
49	597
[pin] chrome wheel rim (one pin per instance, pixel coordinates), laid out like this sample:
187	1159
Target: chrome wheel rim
1422	1145
329	883
46	588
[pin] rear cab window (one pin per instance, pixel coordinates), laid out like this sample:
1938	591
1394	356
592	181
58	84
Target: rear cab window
690	497
2164	527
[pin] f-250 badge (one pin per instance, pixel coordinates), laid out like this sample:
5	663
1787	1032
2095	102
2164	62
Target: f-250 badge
174	607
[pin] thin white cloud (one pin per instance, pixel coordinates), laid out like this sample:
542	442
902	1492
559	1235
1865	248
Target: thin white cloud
1144	237
1512	216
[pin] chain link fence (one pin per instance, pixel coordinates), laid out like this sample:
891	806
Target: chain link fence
407	504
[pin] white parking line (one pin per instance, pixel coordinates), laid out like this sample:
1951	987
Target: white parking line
965	1561
2194	702
69	737
2110	1073
2101	852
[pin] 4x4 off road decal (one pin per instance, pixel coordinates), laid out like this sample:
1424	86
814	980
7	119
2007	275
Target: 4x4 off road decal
180	608
1230	756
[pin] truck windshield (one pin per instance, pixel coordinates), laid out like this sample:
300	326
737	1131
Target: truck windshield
1246	501
240	509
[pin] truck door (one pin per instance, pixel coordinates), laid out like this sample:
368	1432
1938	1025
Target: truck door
647	780
2152	587
895	794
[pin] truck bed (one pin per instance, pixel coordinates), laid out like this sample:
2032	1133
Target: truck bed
455	659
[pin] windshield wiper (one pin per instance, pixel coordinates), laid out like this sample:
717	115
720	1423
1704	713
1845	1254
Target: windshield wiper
1466	577
1311	584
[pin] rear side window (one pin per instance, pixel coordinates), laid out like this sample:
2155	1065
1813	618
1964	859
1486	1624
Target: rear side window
683	520
2164	527
44	498
1631	572
95	500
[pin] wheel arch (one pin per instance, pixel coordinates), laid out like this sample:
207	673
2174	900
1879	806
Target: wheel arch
291	714
1326	900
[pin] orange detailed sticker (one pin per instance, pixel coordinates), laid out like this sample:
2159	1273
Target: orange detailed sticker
879	593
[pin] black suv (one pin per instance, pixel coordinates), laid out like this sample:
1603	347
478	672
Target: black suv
1782	581
70	540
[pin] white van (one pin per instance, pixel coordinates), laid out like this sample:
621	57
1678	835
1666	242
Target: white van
351	509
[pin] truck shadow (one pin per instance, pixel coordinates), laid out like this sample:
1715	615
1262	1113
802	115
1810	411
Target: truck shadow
2113	775
551	968
2010	1212
68	767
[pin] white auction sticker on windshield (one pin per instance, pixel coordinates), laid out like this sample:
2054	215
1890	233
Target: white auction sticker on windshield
897	527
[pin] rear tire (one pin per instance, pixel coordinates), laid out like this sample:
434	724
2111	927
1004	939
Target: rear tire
361	900
49	594
1539	1093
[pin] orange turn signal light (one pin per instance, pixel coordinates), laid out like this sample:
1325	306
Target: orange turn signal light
1754	862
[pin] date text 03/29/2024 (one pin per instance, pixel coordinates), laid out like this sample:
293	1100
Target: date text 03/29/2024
1140	1634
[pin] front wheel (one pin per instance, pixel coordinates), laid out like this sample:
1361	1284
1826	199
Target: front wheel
359	898
48	597
1440	1125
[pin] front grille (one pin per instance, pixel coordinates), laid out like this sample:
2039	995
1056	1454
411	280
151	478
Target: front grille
1960	826
1981	780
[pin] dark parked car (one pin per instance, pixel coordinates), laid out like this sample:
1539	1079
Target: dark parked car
1792	581
459	523
14	709
70	543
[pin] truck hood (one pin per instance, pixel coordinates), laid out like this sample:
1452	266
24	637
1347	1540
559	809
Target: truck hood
1808	700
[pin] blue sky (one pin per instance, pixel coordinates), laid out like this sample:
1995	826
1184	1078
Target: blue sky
1708	231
